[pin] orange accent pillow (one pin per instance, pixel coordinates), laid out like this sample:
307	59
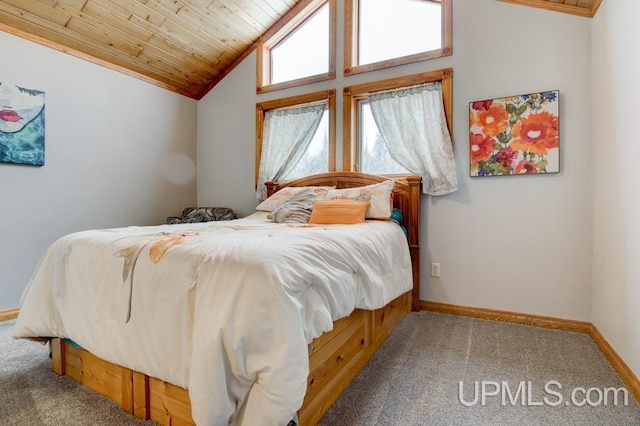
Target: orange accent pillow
341	211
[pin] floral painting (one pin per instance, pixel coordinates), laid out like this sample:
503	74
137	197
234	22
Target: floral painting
21	125
514	135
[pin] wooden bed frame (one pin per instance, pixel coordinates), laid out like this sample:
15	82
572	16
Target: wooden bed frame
335	357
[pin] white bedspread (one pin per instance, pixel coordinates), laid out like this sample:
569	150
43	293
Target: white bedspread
224	309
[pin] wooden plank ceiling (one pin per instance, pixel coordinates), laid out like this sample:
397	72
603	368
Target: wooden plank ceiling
182	45
586	8
186	46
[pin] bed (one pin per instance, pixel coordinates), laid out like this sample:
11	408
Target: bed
249	353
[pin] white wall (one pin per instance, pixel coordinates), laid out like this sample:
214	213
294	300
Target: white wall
114	148
519	243
616	201
227	140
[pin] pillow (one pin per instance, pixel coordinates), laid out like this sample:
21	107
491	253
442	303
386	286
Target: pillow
296	209
280	197
379	195
338	211
396	216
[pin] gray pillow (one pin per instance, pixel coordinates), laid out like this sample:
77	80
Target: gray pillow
296	209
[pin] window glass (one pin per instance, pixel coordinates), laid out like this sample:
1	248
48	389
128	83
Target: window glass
305	52
394	28
374	155
300	50
315	159
387	33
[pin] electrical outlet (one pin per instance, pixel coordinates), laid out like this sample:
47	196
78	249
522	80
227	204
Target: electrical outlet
435	269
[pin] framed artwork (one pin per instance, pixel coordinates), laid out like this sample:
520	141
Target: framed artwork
514	135
21	125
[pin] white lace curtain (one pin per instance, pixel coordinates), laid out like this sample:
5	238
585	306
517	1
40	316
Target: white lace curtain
286	136
413	125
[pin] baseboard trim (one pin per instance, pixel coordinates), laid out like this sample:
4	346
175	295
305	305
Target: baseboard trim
507	316
627	376
7	314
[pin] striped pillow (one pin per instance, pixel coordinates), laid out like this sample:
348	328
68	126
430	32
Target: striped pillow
285	194
296	209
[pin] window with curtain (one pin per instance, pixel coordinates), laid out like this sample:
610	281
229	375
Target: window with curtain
374	156
296	137
401	126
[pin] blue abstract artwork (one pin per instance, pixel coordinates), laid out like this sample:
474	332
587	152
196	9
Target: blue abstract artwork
21	125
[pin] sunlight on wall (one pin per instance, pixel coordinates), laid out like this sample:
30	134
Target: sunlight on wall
179	169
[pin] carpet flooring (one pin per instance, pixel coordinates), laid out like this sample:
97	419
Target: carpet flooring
32	395
417	377
434	369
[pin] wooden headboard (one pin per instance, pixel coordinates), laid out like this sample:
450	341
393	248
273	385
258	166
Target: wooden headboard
406	197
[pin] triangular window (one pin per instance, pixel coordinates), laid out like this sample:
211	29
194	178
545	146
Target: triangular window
302	51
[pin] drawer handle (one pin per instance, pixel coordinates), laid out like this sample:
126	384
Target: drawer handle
340	358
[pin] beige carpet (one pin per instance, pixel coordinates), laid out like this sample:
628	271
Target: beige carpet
414	379
32	395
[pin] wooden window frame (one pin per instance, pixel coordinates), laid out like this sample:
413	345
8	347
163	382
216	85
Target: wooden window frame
351	65
263	107
301	12
354	94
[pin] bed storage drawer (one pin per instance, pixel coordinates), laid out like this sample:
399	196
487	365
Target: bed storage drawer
388	318
337	357
168	404
334	360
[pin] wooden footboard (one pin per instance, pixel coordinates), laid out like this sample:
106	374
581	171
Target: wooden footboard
335	359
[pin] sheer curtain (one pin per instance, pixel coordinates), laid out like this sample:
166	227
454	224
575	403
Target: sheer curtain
286	136
413	125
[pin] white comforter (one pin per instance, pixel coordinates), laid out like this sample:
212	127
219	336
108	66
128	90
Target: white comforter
224	309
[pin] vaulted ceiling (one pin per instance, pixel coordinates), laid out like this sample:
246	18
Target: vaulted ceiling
586	8
186	46
183	45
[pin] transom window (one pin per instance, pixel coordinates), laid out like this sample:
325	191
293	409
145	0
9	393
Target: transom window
387	33
302	51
